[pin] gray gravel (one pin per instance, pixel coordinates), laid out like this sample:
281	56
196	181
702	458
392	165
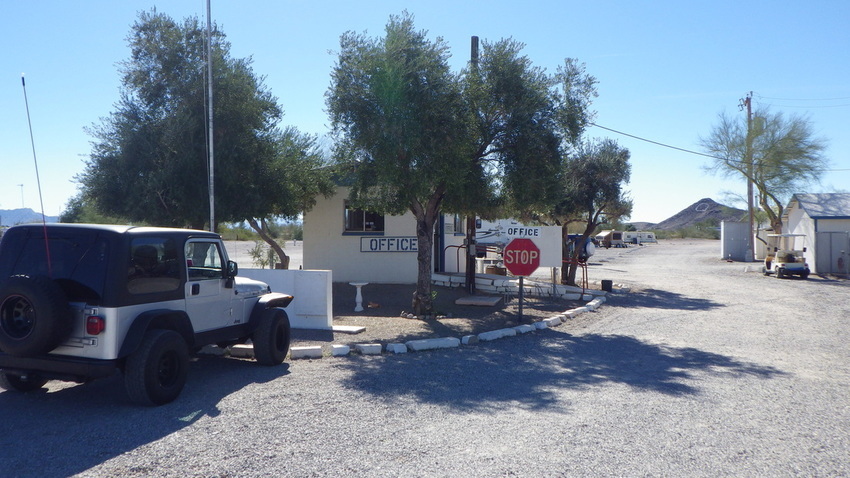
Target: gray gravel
702	370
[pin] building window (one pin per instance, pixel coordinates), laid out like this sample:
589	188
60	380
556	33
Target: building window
360	221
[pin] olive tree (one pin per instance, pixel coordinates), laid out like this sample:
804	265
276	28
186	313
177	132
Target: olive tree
415	136
148	161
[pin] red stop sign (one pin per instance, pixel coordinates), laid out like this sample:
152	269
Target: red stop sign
521	256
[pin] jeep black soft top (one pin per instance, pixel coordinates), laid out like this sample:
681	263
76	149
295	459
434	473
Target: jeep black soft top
79	301
80	258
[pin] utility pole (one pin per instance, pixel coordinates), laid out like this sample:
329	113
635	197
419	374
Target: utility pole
471	248
747	103
211	177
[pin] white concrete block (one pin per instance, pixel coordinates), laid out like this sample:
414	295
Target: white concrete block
242	351
496	334
469	340
396	348
340	350
430	344
552	321
541	325
524	328
368	349
312	351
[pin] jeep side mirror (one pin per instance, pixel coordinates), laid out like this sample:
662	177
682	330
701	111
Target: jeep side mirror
232	269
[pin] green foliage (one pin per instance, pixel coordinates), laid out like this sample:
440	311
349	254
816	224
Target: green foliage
149	158
237	232
414	136
786	156
261	255
708	229
80	211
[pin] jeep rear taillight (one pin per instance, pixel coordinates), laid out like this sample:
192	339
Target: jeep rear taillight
95	325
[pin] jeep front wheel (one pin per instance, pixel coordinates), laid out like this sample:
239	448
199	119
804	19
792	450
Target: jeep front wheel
156	373
34	315
21	383
271	339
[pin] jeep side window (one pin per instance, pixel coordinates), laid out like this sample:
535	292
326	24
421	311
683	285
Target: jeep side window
203	260
153	266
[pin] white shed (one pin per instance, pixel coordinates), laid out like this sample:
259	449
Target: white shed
825	220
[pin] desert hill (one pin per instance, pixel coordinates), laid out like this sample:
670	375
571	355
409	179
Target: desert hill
703	210
10	217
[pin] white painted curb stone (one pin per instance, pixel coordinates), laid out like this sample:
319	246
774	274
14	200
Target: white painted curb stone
368	349
340	350
524	328
242	351
397	348
313	351
469	340
430	344
496	334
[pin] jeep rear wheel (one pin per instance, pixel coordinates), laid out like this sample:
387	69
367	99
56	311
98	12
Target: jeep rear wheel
34	315
21	383
271	339
156	373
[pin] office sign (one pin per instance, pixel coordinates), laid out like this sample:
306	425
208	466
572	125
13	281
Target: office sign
389	244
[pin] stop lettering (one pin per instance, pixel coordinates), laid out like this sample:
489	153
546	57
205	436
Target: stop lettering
521	257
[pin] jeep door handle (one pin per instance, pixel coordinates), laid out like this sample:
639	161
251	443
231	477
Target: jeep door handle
196	289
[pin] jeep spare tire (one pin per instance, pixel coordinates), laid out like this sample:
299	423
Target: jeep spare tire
34	315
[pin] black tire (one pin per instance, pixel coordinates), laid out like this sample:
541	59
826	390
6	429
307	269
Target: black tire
156	373
17	383
34	316
271	339
780	273
804	274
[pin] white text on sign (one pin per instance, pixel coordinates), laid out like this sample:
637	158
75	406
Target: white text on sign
521	256
523	231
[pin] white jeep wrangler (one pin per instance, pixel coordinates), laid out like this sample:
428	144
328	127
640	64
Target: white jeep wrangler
80	302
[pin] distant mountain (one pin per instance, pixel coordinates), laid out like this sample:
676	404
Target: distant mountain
10	217
643	226
700	211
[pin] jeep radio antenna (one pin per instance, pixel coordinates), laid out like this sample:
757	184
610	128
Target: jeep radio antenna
37	179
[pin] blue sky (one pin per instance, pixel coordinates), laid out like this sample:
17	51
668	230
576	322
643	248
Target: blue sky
666	69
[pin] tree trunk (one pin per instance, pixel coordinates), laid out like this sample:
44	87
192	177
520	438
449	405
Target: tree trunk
423	303
426	216
263	232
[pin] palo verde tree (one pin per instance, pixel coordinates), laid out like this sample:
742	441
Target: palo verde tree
785	156
595	173
417	137
149	159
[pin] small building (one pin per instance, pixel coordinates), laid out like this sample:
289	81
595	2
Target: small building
824	219
363	246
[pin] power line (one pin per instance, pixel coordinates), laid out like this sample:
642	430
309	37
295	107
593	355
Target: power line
841	98
658	143
807	106
688	150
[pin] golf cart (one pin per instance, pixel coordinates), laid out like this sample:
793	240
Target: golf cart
782	259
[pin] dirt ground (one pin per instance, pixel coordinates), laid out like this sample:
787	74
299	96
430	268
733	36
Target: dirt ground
384	304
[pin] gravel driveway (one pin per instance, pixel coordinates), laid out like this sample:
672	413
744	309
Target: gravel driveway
703	369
